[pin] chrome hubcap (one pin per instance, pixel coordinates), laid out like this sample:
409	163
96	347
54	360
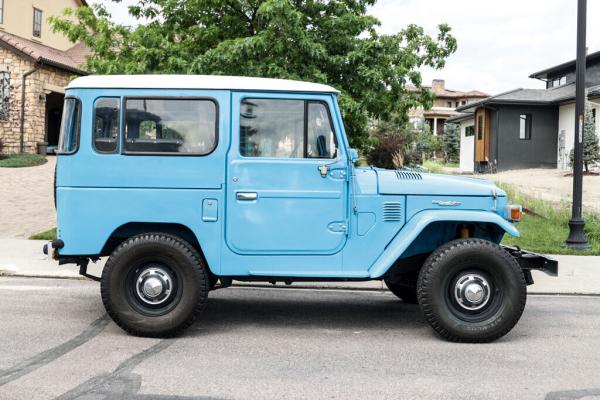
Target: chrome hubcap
472	291
154	285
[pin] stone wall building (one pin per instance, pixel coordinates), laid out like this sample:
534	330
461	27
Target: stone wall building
33	75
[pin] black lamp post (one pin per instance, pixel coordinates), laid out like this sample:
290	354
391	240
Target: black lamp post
576	239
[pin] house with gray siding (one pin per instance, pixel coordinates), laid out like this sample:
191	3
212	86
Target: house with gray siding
526	128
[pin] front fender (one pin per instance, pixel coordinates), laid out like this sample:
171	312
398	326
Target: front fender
420	221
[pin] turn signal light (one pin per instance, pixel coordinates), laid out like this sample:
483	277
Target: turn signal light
514	212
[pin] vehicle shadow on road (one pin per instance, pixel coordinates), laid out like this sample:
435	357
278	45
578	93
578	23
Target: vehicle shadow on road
238	308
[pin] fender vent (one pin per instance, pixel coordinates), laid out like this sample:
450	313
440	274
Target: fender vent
392	211
407	175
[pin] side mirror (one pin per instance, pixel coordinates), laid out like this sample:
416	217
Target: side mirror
353	154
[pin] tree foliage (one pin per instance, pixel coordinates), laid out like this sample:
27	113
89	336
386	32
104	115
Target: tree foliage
396	146
328	41
451	142
591	147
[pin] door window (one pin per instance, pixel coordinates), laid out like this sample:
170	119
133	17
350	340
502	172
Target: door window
272	128
286	129
320	135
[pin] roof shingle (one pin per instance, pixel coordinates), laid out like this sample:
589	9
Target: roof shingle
70	60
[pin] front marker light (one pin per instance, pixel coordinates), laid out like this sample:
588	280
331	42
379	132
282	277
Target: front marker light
513	212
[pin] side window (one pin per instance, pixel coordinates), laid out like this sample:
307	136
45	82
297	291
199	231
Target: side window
37	22
480	127
179	126
106	124
272	128
4	94
525	127
286	129
70	125
320	135
470	130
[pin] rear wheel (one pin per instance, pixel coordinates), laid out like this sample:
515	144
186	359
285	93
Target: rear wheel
471	290
154	285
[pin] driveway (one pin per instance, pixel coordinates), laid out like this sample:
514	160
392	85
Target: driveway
288	344
552	185
26	200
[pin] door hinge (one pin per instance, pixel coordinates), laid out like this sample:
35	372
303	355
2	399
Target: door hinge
339	174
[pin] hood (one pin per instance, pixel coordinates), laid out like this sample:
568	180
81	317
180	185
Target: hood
418	183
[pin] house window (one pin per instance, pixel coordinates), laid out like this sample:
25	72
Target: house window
449	104
37	22
470	131
4	94
558	81
456	104
1	11
525	127
463	102
480	127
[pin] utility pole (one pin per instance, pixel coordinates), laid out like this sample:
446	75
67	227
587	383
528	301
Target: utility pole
576	239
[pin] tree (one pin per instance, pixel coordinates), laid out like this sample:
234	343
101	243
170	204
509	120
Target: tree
451	143
329	41
591	147
395	146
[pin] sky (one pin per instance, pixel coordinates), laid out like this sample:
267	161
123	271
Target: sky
500	43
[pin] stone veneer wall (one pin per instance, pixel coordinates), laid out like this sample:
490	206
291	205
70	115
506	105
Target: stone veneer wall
35	109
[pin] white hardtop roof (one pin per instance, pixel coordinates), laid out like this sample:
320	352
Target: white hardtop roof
196	82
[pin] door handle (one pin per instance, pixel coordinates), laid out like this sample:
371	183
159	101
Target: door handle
246	196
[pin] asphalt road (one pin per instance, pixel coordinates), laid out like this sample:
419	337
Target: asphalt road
57	343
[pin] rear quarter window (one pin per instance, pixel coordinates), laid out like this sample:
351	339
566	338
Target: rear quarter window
70	126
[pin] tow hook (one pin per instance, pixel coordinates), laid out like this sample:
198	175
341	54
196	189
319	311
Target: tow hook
51	248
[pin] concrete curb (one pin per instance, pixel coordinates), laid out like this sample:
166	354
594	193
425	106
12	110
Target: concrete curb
578	275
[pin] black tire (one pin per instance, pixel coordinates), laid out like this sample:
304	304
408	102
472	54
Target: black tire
442	293
164	258
405	287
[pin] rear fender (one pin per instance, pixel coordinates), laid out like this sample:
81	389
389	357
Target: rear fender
419	222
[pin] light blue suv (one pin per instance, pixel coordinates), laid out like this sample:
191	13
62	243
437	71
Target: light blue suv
188	183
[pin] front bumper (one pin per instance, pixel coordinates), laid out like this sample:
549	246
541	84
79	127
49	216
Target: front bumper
528	261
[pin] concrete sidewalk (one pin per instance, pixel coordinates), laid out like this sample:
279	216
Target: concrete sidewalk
18	257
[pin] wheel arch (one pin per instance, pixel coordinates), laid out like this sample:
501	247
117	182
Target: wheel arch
130	229
429	229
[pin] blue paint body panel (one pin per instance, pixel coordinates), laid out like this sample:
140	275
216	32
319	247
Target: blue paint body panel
352	222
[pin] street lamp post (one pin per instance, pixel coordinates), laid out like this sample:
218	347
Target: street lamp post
576	239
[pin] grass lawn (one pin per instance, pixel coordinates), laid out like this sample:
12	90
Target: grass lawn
546	233
21	160
437	167
50	234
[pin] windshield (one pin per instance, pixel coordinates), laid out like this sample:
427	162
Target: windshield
69	127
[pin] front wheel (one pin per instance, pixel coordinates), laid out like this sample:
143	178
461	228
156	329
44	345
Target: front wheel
471	290
154	285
